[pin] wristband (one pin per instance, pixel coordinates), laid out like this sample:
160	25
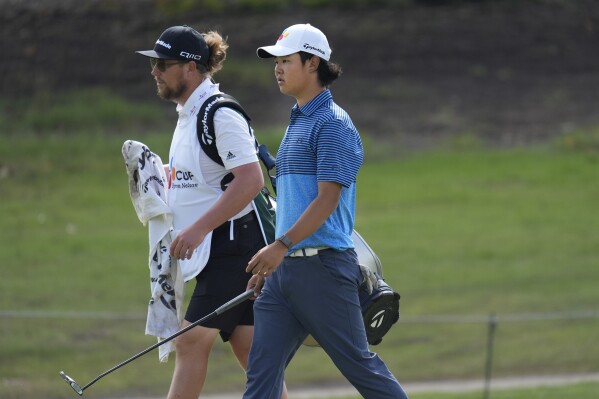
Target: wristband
286	241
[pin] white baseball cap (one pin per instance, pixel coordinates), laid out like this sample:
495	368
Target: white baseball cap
296	38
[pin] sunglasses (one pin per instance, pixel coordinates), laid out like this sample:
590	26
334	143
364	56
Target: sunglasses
162	65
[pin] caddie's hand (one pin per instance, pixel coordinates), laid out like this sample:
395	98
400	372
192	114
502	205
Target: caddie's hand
186	242
266	261
256	283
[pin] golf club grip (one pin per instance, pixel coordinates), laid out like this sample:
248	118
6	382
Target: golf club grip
234	302
221	309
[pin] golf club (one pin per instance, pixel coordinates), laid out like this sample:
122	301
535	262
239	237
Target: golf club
223	308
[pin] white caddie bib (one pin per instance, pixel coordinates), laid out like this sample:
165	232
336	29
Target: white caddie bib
189	197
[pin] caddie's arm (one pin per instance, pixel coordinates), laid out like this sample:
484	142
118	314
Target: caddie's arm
247	182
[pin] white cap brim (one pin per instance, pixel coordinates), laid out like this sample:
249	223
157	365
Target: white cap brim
275	51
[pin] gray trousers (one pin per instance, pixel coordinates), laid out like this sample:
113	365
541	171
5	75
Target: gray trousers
316	295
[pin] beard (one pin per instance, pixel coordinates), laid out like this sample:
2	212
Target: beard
170	93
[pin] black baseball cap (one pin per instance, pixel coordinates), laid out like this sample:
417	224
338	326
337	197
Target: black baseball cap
180	43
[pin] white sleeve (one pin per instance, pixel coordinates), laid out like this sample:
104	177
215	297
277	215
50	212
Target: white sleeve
233	140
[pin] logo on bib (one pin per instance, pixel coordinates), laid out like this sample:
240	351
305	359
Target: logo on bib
181	179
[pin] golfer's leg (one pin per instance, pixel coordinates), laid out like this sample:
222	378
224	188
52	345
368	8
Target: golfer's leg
364	370
191	362
331	312
241	342
277	335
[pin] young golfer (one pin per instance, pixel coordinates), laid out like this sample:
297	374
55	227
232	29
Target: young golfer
218	230
313	271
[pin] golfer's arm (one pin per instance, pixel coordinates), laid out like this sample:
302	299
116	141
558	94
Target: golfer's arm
317	212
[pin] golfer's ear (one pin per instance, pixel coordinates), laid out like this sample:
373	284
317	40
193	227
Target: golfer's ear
314	62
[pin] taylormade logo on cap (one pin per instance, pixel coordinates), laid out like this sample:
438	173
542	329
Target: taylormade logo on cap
308	47
160	42
296	38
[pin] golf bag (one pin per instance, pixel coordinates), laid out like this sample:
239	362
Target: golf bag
380	308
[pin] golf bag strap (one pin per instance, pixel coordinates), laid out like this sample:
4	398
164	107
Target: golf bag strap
206	132
205	124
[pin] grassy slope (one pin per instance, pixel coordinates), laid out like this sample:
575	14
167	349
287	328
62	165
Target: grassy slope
465	233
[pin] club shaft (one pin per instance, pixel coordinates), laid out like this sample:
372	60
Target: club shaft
221	309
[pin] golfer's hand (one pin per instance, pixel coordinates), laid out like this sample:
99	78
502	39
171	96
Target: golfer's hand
186	242
256	283
265	262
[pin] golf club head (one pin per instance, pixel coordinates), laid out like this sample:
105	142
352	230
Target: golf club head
76	387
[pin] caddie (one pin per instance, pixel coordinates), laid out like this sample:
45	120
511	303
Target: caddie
217	231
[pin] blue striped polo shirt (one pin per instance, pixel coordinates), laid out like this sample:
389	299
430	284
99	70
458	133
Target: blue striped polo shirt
321	144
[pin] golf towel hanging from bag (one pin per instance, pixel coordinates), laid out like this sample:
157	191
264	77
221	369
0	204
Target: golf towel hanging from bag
147	190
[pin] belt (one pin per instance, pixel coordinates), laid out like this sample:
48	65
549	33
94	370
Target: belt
236	222
306	252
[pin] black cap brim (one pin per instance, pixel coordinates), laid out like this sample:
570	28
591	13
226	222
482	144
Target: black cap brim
154	54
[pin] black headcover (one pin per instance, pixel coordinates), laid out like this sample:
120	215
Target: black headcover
380	310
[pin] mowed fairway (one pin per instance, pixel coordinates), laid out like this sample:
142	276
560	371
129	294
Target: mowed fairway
461	234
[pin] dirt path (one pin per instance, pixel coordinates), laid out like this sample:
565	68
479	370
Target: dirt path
347	390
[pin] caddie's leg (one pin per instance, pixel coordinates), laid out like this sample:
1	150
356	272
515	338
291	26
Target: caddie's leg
329	308
191	361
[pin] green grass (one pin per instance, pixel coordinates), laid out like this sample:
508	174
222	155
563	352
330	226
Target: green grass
463	233
93	109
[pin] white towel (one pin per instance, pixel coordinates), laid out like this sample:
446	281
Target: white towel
147	181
